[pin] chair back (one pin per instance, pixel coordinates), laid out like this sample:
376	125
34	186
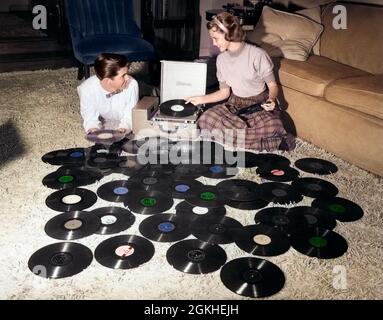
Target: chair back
101	17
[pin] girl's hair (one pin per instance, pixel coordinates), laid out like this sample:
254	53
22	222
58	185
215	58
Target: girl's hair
107	65
229	25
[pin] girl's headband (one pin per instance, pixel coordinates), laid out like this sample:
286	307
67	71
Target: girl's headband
220	25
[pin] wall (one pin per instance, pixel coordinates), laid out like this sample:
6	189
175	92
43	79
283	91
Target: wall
206	47
21	4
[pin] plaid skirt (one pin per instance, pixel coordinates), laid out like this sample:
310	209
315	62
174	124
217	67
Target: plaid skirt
262	130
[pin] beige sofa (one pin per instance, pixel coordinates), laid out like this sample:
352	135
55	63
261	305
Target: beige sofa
335	99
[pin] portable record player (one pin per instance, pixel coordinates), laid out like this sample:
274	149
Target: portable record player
174	118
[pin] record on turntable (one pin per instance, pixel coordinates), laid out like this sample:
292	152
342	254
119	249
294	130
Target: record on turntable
105	137
316	166
320	243
279	218
252	277
278	192
117	190
113	219
315	217
177	108
65	156
277	173
73	199
341	209
207	196
190	212
262	240
165	227
72	225
239	190
68	178
315	188
60	260
148	202
215	229
195	256
124	252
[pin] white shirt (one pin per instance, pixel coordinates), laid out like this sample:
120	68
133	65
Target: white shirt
117	109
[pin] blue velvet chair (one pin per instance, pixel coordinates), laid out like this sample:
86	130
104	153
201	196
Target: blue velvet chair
98	26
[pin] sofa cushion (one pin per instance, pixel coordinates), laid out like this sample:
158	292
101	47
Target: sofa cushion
314	14
284	34
364	93
360	44
312	76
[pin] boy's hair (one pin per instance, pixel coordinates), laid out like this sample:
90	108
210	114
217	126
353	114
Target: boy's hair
107	65
228	24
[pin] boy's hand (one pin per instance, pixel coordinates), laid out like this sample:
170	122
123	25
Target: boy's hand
92	130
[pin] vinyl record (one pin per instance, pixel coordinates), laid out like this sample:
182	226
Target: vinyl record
316	166
196	257
133	147
165	168
277	173
73	199
262	240
239	190
207	196
252	277
165	227
214	229
279	218
191	171
65	156
60	260
181	187
242	159
124	252
68	178
128	166
117	190
278	192
149	202
220	171
200	152
105	137
72	225
315	188
152	180
95	173
247	205
341	209
104	161
320	243
190	212
315	217
113	219
177	108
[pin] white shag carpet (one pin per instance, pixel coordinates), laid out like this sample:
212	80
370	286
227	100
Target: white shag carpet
39	112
